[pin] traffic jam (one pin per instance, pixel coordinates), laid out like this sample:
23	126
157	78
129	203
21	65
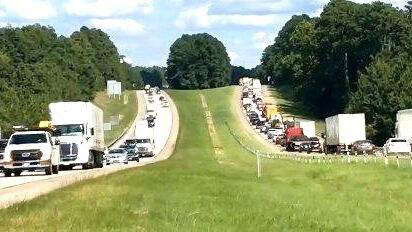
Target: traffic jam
344	134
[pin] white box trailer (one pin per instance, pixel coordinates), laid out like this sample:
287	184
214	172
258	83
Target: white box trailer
81	134
256	86
403	127
343	130
308	127
245	81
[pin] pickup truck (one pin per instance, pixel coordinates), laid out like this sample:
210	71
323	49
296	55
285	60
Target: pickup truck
29	151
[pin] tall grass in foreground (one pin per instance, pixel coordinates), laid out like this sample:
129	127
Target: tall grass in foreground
192	191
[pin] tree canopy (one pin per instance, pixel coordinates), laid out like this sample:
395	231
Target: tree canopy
38	67
198	61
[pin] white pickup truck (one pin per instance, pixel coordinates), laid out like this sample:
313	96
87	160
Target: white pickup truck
29	151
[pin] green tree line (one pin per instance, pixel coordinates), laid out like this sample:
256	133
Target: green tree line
38	67
353	58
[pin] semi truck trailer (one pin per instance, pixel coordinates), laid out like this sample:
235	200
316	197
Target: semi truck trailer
342	131
81	135
403	127
308	127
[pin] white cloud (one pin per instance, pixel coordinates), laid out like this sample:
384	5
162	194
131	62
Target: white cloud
28	9
127	26
263	39
233	56
107	8
316	13
200	17
127	60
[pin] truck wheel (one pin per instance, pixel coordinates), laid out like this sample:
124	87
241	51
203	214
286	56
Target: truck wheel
85	166
99	161
48	170
55	169
17	173
7	173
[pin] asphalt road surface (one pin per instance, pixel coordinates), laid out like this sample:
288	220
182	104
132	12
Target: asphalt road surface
31	184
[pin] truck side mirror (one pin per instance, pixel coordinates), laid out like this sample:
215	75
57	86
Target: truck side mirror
92	131
57	142
322	135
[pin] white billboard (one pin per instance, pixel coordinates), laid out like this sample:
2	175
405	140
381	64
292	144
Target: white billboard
114	87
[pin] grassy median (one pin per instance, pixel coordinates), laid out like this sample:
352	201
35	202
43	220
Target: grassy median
198	190
126	106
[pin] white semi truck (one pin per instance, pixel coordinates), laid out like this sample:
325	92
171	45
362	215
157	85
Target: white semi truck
342	131
80	129
403	127
145	142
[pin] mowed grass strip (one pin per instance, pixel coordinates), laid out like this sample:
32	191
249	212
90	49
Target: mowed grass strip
193	192
114	107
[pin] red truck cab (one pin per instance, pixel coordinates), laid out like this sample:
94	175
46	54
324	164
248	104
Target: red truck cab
293	131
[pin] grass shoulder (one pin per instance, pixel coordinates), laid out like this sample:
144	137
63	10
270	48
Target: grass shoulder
124	107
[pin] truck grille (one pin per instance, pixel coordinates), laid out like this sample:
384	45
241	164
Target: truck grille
25	155
68	151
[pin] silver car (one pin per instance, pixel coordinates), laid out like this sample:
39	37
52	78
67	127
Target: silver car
118	155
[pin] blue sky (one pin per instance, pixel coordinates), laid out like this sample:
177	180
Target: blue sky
143	30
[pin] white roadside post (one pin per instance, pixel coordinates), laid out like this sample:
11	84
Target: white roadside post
258	164
386	160
397	160
356	157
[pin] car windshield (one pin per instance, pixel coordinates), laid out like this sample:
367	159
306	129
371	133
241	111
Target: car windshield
28	138
143	140
70	130
114	151
398	141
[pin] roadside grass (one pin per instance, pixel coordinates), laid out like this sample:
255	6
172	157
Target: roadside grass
114	107
193	192
284	98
